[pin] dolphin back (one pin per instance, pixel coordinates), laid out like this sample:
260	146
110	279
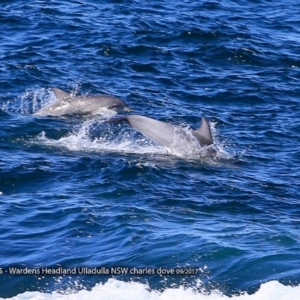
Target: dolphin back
158	131
66	104
176	139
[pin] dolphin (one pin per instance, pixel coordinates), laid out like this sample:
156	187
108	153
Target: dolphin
66	104
175	139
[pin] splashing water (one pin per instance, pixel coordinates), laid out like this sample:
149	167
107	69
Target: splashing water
29	102
92	136
95	135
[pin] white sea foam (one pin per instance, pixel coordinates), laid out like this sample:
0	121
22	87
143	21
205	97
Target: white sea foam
83	139
119	290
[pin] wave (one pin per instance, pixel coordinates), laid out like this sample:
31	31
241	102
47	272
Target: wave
120	290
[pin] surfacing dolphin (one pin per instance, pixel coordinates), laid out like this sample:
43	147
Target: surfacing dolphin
177	140
66	104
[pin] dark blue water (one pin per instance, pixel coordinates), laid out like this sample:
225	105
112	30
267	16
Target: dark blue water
82	193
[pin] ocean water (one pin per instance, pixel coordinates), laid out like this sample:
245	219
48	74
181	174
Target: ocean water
83	196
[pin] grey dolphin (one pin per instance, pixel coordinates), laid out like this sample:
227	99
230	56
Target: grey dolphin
66	104
177	140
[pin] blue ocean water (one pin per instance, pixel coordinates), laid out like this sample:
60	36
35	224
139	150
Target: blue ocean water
79	193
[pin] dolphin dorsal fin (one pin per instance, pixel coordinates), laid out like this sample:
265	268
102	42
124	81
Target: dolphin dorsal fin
203	134
60	94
